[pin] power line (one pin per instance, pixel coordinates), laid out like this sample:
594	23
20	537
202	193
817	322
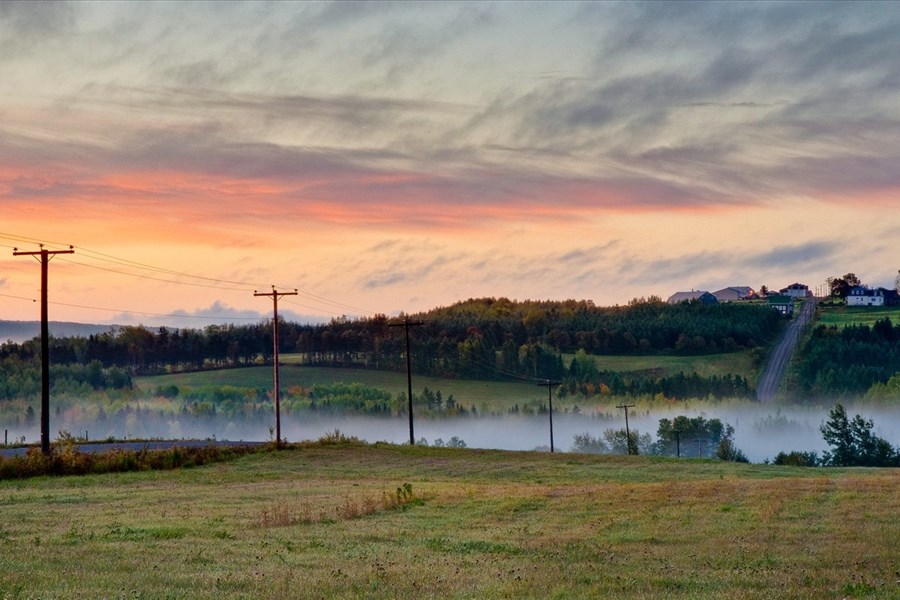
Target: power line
504	372
18	297
226	283
322	304
132	263
247	285
336	304
203	285
28	240
153	314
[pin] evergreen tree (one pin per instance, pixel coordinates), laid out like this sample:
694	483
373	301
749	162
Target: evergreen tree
853	442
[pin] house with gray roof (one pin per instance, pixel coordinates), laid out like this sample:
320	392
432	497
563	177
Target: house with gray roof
735	293
692	296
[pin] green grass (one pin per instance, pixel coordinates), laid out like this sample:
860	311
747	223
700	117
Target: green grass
843	316
484	395
307	523
734	363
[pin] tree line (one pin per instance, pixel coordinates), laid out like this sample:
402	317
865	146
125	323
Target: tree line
583	378
689	437
484	338
848	362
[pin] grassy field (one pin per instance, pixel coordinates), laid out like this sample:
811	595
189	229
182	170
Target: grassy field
856	315
490	395
323	522
735	363
486	396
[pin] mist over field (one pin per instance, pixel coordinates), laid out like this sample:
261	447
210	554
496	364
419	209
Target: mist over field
761	432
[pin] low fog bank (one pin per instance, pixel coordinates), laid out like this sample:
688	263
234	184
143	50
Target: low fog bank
761	432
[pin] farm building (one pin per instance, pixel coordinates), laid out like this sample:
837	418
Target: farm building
733	294
795	290
699	296
783	304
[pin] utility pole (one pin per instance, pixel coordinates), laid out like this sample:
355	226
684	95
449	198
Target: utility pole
406	324
677	433
627	431
275	295
549	383
43	256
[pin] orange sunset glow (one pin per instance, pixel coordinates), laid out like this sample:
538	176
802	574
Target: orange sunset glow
394	157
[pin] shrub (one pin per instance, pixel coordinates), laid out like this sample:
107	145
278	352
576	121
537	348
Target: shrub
66	459
797	459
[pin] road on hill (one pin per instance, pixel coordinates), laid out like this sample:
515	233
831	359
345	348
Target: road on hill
771	377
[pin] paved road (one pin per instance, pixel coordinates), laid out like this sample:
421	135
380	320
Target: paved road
771	377
135	446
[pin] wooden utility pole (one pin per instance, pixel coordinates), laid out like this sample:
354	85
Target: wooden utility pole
43	256
627	431
406	324
276	392
549	384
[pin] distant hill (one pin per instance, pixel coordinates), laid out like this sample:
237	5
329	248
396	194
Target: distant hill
20	331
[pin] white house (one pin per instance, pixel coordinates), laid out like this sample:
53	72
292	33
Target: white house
795	290
862	296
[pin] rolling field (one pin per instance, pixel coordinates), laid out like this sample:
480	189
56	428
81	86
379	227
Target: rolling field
328	521
486	396
735	363
856	315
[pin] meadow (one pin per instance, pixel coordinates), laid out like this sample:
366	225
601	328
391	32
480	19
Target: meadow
486	396
345	520
706	365
842	316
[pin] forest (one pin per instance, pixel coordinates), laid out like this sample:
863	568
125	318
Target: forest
488	339
849	361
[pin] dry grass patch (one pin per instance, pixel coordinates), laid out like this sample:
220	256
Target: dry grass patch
284	514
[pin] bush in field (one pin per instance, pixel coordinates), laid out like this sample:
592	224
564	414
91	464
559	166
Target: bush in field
621	441
614	441
453	442
797	459
337	438
585	443
726	450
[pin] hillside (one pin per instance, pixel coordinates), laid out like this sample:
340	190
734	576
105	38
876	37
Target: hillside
351	521
20	331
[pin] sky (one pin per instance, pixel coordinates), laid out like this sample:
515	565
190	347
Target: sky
394	157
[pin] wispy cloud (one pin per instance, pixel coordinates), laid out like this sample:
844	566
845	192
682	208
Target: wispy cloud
532	148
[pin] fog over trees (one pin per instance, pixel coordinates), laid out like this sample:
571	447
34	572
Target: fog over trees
92	377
